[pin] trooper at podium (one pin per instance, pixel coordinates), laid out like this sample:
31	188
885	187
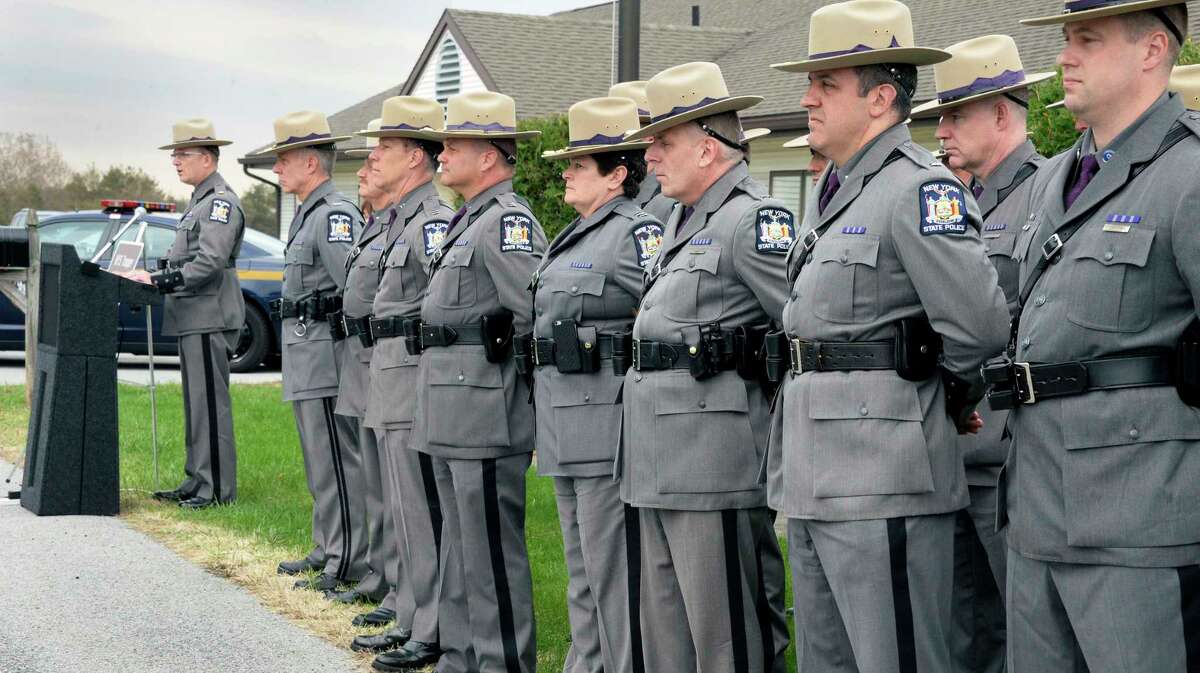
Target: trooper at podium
205	309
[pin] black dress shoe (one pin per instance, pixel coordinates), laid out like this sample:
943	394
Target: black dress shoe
414	654
354	596
326	584
381	642
177	495
298	567
380	616
200	503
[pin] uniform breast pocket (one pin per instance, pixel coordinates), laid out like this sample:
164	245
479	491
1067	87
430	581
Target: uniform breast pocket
299	259
455	284
365	277
694	289
847	287
397	275
999	249
1111	288
568	290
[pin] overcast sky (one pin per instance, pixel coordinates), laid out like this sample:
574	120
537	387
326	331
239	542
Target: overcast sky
105	79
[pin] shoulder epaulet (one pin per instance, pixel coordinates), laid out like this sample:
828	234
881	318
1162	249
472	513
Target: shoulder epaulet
918	155
339	200
1191	119
432	205
510	200
628	209
754	188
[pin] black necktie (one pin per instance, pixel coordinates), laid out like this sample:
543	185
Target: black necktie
1088	167
831	186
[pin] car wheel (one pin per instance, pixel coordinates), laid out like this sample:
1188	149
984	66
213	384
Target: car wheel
253	344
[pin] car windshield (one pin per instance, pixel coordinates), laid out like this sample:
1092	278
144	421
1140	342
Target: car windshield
83	234
257	244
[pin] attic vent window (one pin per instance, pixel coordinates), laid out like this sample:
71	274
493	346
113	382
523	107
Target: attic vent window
695	15
448	79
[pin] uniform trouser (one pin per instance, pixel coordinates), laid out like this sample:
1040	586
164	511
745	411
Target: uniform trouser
1068	617
211	464
873	596
492	594
978	632
334	470
383	556
706	600
593	517
417	523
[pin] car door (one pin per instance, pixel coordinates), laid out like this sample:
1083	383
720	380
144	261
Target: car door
132	319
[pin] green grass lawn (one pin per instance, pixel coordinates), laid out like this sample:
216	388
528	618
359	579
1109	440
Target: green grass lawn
273	510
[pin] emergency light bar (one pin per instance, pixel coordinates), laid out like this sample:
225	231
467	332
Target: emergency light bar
126	204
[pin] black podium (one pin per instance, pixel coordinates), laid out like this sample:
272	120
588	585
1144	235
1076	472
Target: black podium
71	455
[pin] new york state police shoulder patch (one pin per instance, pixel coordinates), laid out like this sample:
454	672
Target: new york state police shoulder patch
341	228
647	239
220	211
516	233
774	230
434	232
943	208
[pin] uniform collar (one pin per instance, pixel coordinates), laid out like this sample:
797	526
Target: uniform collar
869	159
1140	139
483	198
209	184
716	194
1004	175
602	212
649	188
411	202
324	189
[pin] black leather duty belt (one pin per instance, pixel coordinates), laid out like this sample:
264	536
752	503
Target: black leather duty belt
825	356
1017	383
657	355
344	327
440	336
543	352
316	309
386	328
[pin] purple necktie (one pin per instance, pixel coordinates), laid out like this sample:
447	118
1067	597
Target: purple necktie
454	220
832	184
687	215
977	190
1088	167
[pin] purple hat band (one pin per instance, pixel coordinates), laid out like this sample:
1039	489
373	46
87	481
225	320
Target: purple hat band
399	127
300	139
472	126
643	113
195	138
1080	5
858	48
684	108
598	139
983	85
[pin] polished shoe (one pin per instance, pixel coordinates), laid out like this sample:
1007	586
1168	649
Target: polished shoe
355	596
326	584
382	642
200	503
298	567
414	654
177	495
380	616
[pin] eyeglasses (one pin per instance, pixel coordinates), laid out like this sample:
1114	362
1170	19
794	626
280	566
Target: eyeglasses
181	155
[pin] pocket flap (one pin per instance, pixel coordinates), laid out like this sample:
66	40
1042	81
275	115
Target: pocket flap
464	369
577	282
573	390
863	395
298	253
1132	247
705	258
847	250
188	223
458	256
397	257
1130	416
999	244
678	393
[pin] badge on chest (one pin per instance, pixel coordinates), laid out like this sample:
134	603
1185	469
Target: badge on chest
943	209
341	228
516	233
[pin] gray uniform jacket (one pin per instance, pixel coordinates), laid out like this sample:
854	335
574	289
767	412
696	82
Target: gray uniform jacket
1006	205
697	445
206	246
592	273
315	260
903	241
1113	477
467	407
362	282
651	199
404	274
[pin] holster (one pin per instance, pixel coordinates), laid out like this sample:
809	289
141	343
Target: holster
622	352
918	348
777	356
571	353
1187	365
337	328
497	331
412	335
275	306
523	353
998	378
705	356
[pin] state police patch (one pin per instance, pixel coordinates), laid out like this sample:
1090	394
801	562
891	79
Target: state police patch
516	233
434	232
943	208
341	228
220	211
647	239
774	230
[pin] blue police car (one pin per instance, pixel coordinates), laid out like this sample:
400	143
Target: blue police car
260	270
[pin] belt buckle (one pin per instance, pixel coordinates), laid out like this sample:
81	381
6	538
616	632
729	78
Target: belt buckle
637	355
1051	247
797	359
533	346
1023	373
809	240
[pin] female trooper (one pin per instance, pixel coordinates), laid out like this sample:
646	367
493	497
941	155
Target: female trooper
586	290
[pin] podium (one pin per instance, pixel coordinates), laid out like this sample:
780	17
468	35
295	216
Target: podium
71	454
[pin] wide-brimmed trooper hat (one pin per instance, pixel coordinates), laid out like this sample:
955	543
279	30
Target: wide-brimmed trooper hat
194	133
485	115
636	92
1083	10
372	143
686	92
409	117
1185	80
800	143
862	32
598	125
302	129
978	68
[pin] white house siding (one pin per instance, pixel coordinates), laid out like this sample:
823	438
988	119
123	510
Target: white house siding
468	77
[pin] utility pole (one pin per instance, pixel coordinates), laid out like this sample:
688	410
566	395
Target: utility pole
629	28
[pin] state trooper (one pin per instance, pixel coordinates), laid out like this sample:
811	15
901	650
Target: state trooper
982	99
649	197
205	309
816	161
695	413
893	308
472	413
586	293
318	243
403	164
384	581
1104	387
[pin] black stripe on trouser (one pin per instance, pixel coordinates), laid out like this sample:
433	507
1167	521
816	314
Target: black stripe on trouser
491	510
429	480
335	448
766	624
187	418
210	395
733	584
1189	603
906	645
633	555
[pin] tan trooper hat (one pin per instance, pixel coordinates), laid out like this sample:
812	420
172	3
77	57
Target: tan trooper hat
636	92
1185	80
686	92
599	125
486	115
302	129
978	68
800	143
196	132
1083	10
372	143
862	32
408	117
